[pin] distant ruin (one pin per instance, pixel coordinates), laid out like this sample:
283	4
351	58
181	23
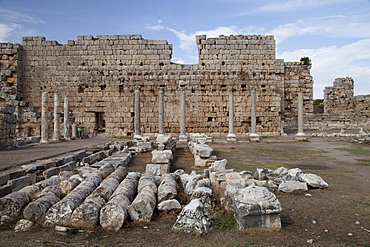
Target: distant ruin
99	75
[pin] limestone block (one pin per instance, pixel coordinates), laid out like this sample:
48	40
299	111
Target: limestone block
158	169
4	179
235	178
169	205
218	165
313	180
162	157
51	172
292	186
256	207
203	151
19	183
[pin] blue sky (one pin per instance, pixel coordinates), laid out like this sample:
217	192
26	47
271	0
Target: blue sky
334	34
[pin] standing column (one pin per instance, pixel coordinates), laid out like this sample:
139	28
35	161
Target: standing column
231	137
182	137
161	111
137	113
44	118
300	136
67	124
253	134
56	136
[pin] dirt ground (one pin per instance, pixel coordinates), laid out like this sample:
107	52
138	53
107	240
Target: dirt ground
338	216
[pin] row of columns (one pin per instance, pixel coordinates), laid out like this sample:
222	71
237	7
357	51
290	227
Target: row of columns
182	137
231	136
44	118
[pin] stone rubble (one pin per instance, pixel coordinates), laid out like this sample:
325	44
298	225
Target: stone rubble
97	195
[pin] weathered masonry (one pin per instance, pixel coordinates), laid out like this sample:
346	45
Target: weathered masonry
99	75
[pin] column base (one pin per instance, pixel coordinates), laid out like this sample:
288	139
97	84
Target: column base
301	137
183	138
44	141
254	137
138	137
231	137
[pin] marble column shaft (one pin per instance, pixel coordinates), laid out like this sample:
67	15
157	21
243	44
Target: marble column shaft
182	113
300	112
56	136
137	122
253	133
44	118
67	123
231	136
161	111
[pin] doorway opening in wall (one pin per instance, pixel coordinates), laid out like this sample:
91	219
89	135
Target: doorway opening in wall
100	122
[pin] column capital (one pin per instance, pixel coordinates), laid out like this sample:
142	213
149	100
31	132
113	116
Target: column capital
182	89
137	88
161	89
253	89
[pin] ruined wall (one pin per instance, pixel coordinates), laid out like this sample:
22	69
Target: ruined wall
341	108
297	78
9	56
99	75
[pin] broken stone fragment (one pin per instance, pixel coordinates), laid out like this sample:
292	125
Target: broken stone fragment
169	205
205	195
203	150
218	165
194	216
23	225
313	180
292	186
162	157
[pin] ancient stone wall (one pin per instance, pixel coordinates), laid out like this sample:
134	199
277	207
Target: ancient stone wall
9	56
99	75
341	108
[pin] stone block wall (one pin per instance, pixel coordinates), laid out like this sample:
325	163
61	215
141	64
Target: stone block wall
9	59
341	108
99	75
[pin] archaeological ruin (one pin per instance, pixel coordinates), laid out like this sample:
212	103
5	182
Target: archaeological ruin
94	80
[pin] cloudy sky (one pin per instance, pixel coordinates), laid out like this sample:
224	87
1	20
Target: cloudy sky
334	34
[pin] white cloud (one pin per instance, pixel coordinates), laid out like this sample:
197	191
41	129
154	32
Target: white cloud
333	62
298	28
14	16
6	31
294	5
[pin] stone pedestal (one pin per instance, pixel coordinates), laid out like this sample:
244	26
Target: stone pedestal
137	114
254	137
44	119
257	208
300	136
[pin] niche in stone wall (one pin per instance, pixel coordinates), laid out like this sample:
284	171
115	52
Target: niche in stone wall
100	121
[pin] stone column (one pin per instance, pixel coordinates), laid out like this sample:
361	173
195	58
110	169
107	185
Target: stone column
300	136
161	111
182	137
231	137
44	118
254	137
137	114
67	124
56	136
74	131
